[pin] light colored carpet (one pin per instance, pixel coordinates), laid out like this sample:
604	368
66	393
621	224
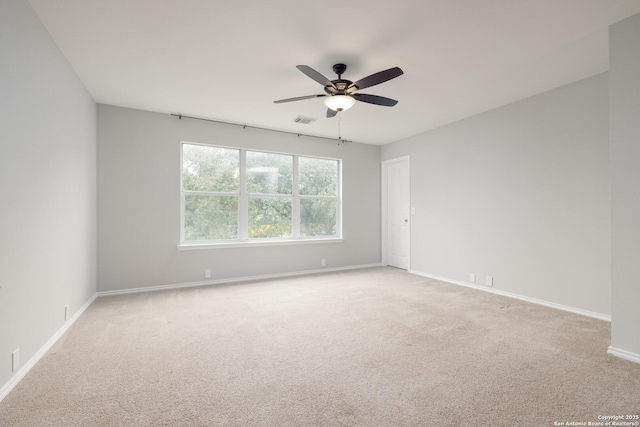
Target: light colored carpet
370	347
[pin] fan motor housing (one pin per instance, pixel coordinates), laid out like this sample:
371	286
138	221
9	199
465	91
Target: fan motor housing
341	86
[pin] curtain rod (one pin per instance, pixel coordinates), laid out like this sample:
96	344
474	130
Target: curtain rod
244	126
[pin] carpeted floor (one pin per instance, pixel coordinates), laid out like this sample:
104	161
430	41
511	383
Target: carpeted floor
370	347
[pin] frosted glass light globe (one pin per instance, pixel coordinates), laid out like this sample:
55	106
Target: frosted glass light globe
339	102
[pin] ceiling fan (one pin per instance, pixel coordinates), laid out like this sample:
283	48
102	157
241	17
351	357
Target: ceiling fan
341	94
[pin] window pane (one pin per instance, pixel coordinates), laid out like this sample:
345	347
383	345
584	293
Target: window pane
210	169
210	217
318	217
269	217
318	177
269	173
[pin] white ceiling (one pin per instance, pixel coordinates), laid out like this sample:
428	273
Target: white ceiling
230	59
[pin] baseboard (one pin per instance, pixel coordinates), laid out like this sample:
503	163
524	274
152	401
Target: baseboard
574	310
233	280
623	354
6	389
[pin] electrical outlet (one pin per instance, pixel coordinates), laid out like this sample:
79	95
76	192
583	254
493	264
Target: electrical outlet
207	274
323	262
472	277
66	312
489	281
15	360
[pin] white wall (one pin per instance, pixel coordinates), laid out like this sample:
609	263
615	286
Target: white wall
520	193
139	203
47	187
624	95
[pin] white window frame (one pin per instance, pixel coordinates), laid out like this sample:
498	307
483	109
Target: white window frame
243	202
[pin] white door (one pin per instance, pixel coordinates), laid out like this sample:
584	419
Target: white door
397	212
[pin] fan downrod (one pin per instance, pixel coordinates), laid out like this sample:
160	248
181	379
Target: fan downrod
339	69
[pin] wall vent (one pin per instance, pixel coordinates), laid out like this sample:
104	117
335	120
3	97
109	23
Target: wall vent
304	120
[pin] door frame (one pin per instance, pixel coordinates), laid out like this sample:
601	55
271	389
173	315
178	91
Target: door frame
385	207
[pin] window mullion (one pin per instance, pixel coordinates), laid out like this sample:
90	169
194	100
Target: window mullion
295	203
182	208
243	202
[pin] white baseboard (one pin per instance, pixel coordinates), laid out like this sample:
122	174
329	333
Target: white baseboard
6	389
574	310
623	354
232	280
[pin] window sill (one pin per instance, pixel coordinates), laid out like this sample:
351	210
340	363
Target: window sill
253	244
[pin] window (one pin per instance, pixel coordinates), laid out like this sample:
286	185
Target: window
235	195
318	189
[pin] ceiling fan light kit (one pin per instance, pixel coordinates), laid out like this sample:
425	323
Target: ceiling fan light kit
339	102
341	93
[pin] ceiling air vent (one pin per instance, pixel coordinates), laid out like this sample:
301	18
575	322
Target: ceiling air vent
304	120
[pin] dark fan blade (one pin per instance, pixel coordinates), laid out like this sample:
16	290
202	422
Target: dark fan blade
377	78
331	113
310	72
299	98
375	99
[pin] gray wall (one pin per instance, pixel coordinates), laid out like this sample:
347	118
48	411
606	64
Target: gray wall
624	95
47	187
520	193
139	203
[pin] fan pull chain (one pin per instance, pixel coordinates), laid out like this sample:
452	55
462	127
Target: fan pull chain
339	129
